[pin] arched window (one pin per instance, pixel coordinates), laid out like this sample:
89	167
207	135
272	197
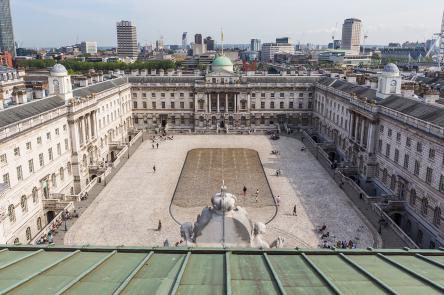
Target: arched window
28	234
35	195
424	206
39	224
24	204
11	213
54	180
437	216
412	197
62	174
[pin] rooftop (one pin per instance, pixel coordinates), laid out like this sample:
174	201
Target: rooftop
89	270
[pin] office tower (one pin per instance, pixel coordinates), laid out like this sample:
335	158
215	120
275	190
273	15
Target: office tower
6	30
198	39
351	35
184	40
88	47
210	43
283	40
255	45
127	40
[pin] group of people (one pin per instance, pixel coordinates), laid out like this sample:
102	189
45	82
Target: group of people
339	244
275	152
278	172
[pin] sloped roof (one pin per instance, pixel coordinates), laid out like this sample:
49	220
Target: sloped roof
99	87
86	270
28	110
164	79
414	108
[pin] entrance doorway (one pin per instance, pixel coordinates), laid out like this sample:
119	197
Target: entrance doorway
50	216
222	124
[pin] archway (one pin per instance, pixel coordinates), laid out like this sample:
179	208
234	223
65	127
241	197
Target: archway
50	216
397	218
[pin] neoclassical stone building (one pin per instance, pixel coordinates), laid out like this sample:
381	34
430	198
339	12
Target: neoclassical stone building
396	142
48	147
56	145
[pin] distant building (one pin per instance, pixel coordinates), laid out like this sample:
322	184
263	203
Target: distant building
441	45
210	43
198	39
184	41
159	44
270	49
255	45
351	34
283	40
6	29
88	47
127	40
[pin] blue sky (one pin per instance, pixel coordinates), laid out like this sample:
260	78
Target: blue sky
43	23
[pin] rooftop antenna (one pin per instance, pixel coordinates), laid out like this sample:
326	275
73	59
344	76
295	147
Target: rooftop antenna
222	40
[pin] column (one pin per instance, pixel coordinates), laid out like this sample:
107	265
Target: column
226	102
235	103
248	102
217	103
209	102
80	121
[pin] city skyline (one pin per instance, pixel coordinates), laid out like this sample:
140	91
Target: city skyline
305	23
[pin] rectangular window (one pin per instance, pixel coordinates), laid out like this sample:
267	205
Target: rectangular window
272	105
441	183
173	105
31	165
17	151
389	132
28	145
66	144
144	105
419	147
181	94
281	105
153	105
3	159
64	126
301	94
163	104
406	161
50	156
253	95
381	128
182	105
48	135
19	173
417	166
408	142
263	95
396	155
380	145
144	95
39	140
153	94
272	95
282	95
387	150
162	95
172	95
429	173
59	149
41	160
290	105
6	179
431	154
398	136
300	105
134	104
262	104
134	95
57	132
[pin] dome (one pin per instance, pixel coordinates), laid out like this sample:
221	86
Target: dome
58	69
222	61
391	68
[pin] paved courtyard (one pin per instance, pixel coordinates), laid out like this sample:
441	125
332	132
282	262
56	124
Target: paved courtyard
128	209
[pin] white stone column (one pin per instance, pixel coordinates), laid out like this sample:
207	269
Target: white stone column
80	131
226	102
209	102
218	102
248	102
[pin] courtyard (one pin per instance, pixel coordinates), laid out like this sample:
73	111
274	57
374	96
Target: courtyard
191	168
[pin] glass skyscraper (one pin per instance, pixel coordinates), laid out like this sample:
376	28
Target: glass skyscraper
6	31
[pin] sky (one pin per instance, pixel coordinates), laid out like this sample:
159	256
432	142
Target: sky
53	23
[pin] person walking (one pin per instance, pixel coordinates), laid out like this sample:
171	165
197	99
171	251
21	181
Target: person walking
153	146
257	195
245	190
294	211
159	226
154	168
278	201
157	144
